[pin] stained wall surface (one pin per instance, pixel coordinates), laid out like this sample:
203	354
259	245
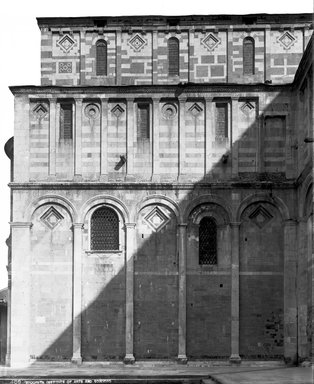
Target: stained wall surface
164	154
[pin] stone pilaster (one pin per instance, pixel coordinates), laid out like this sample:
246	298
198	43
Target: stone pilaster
118	57
21	138
303	287
52	136
104	140
260	140
130	140
129	314
267	55
229	55
78	138
290	305
209	135
77	293
20	293
154	57
181	137
155	135
235	136
82	58
182	293
9	267
235	293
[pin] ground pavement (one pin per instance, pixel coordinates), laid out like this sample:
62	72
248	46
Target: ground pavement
156	373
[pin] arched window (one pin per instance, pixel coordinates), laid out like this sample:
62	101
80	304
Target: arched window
208	241
104	230
248	56
173	56
101	58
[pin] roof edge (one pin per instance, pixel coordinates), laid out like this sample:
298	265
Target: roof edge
250	19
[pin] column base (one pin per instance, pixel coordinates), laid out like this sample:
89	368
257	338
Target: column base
76	360
8	360
182	359
235	359
129	359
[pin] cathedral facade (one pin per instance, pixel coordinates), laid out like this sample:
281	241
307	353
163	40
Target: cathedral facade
162	191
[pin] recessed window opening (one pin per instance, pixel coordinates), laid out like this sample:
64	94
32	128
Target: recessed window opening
104	230
66	121
221	128
101	58
248	56
208	241
173	56
143	119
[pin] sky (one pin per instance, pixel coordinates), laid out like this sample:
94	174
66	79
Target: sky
20	54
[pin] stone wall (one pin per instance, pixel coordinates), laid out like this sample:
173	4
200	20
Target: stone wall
210	51
183	138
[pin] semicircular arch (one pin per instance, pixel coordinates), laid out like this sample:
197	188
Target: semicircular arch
208	199
259	198
110	201
51	199
156	199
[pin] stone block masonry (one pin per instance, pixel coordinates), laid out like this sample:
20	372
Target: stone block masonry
162	192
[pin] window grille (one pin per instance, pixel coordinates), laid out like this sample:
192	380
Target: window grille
66	121
221	130
142	121
104	230
208	241
173	56
248	56
101	58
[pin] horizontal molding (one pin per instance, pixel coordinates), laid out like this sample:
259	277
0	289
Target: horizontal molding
165	90
151	186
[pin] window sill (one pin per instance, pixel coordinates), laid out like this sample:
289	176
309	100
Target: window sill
103	251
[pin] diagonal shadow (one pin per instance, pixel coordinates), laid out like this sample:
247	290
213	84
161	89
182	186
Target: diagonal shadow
156	273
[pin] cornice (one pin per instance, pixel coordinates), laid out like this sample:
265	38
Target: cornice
176	90
289	184
174	21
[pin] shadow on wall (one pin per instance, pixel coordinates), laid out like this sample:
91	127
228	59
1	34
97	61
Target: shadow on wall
254	200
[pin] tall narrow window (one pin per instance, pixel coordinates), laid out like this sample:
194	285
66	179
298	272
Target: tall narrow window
66	121
173	56
143	121
104	230
208	241
248	56
221	123
101	58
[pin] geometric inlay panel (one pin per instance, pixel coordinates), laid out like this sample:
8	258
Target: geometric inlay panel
92	111
65	67
66	43
195	109
247	108
169	111
287	39
137	42
117	111
210	41
156	219
51	217
40	111
260	216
